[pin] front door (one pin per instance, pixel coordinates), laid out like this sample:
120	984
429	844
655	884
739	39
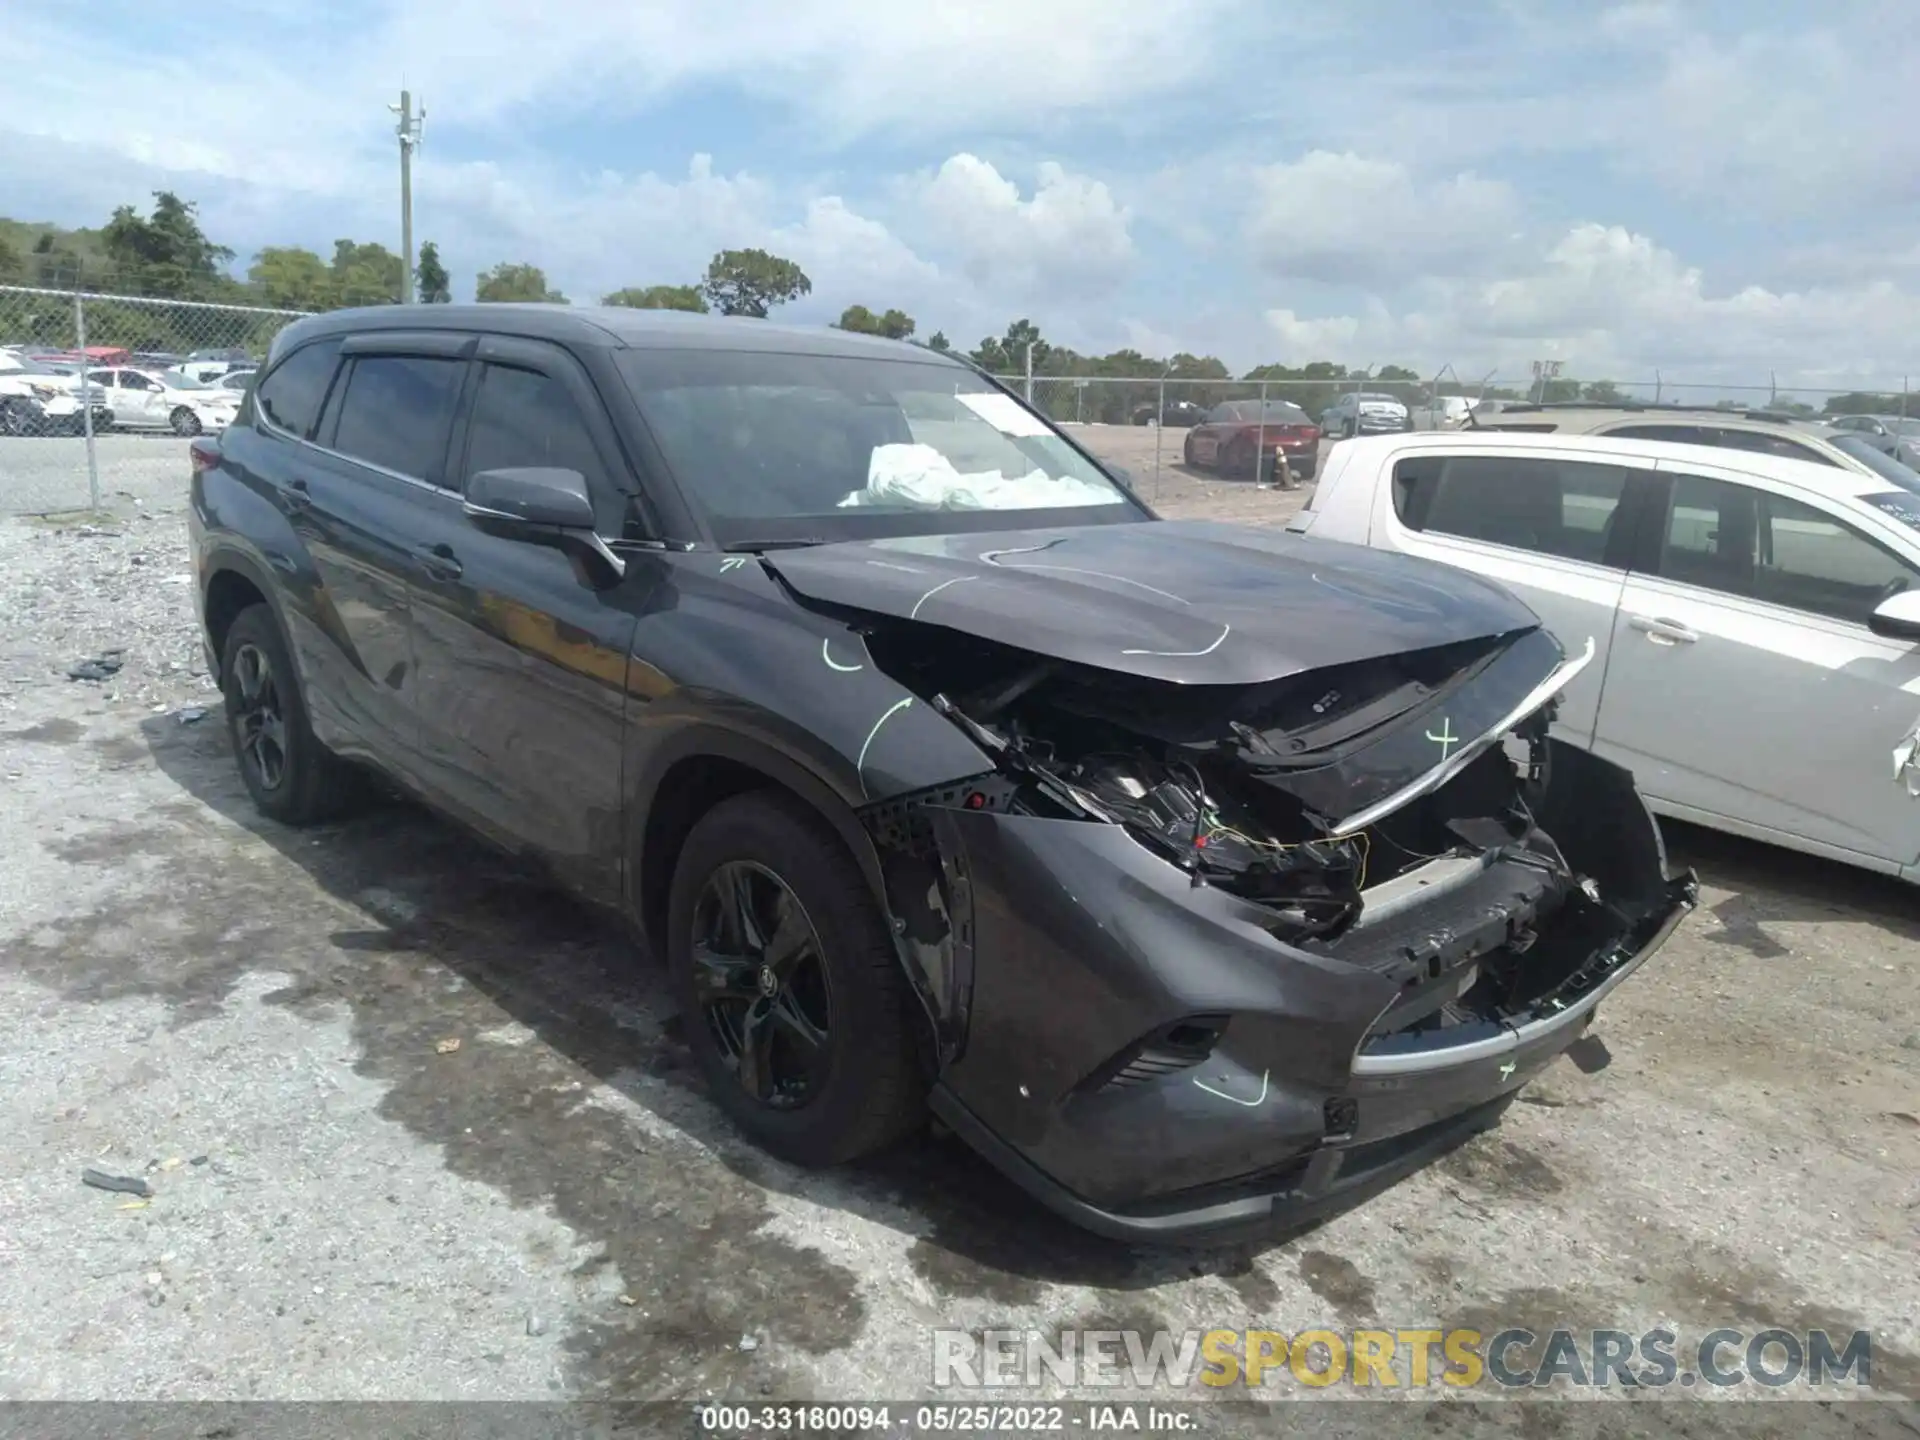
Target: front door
522	651
1744	684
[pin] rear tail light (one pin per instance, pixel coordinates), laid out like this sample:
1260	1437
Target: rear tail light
203	455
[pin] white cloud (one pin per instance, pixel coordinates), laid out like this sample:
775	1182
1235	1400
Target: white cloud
1347	219
1614	304
1069	240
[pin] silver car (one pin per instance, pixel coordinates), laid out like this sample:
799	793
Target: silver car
1756	619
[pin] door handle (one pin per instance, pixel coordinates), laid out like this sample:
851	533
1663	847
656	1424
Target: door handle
439	561
1661	631
297	496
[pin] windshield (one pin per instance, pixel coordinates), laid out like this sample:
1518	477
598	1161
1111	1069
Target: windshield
816	447
21	365
1877	460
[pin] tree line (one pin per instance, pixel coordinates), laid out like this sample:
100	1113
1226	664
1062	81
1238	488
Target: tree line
166	255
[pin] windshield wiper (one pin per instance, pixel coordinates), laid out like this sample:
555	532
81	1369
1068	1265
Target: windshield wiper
792	542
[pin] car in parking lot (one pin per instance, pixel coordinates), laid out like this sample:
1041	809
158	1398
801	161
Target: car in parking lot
1196	876
164	400
1235	431
1758	431
1895	435
1365	413
1175	412
40	399
1757	616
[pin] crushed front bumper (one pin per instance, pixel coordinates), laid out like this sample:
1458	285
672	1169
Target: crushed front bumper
1084	952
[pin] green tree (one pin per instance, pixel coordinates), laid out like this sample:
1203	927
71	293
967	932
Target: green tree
1313	386
1008	355
431	283
367	274
895	324
291	278
752	282
505	282
938	341
659	297
165	253
12	267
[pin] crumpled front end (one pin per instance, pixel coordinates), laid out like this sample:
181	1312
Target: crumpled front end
1197	957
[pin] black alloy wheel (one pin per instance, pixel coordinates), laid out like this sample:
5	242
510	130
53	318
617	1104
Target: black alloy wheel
793	998
761	984
291	776
260	724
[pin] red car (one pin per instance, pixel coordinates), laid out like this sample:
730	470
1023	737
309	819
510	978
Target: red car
1233	431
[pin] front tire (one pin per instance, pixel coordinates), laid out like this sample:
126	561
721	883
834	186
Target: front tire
184	422
291	776
794	1003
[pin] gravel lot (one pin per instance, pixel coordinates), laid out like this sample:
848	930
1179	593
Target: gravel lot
255	1020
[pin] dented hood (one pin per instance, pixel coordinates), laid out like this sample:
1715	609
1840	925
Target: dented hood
1192	602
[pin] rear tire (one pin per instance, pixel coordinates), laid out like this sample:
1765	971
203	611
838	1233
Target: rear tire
291	776
853	1085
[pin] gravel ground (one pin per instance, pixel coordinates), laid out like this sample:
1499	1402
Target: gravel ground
347	1206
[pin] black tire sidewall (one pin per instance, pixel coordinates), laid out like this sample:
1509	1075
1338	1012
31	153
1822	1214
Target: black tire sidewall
292	800
871	1065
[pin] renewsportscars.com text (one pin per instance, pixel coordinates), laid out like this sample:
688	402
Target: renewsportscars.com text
1516	1358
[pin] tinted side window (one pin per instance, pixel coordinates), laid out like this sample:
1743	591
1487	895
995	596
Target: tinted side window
1765	547
521	418
1552	507
290	397
1764	444
396	411
1673	434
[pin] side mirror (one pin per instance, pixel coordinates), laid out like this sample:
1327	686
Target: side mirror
1897	617
543	506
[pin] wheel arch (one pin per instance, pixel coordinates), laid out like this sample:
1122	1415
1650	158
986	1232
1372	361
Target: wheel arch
234	581
686	777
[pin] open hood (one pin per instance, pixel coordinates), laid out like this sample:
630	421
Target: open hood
1191	602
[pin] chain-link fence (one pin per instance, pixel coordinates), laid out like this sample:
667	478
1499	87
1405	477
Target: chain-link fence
1142	422
100	393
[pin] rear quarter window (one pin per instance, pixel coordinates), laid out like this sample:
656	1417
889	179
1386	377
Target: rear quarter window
1550	507
291	395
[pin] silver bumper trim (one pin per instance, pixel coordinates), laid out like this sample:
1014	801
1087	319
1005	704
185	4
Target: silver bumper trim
1471	751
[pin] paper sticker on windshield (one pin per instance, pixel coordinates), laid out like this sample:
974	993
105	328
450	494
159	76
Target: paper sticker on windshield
1004	413
1899	504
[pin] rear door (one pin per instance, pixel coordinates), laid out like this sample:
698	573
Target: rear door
359	495
1203	443
1547	527
522	656
1745	689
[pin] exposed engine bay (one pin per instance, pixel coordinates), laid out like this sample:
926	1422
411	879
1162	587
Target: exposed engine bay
1462	895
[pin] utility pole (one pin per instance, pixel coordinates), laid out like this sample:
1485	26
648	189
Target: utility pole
408	130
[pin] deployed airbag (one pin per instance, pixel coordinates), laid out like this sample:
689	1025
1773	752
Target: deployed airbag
921	477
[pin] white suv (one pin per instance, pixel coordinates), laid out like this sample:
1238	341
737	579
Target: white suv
1364	413
36	399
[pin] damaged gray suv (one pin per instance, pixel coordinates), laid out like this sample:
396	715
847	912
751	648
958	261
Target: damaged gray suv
1199	877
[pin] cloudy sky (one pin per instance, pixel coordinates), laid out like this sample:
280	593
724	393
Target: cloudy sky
1711	190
